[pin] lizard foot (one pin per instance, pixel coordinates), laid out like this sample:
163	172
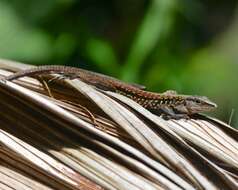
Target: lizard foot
174	116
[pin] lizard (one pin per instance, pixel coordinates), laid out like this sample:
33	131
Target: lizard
168	104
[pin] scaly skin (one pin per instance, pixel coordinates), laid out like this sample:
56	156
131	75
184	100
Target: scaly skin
169	104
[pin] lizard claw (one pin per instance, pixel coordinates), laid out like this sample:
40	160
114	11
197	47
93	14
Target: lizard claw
3	80
176	116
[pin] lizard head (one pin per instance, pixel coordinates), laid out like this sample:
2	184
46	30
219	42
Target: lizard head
197	104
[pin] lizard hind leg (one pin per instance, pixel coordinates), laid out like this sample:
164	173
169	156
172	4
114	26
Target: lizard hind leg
45	84
60	77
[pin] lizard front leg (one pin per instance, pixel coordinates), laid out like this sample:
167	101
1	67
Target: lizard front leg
168	113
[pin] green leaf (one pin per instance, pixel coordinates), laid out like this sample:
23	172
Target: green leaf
154	27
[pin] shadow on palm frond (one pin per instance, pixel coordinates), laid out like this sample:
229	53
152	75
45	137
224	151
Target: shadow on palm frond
84	138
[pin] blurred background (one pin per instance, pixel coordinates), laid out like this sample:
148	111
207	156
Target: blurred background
190	46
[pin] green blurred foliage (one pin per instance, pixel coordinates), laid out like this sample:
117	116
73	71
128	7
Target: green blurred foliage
186	45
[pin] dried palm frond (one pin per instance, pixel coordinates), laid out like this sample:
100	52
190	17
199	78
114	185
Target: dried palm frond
84	138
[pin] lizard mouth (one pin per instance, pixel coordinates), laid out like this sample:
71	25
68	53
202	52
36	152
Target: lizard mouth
204	108
209	107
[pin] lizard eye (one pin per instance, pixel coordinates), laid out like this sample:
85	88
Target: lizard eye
198	101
